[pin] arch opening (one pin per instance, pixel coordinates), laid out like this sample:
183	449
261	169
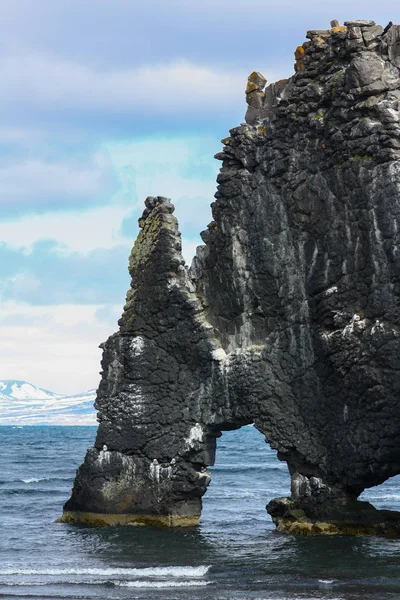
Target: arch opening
385	496
247	474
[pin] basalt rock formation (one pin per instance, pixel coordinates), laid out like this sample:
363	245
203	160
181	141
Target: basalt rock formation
289	316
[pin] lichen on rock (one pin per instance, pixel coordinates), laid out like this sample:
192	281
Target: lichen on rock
288	317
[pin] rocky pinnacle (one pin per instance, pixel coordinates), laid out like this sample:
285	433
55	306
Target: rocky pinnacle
288	318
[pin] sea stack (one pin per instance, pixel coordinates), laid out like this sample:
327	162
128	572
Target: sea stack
289	316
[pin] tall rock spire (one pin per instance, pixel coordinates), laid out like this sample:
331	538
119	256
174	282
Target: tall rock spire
148	462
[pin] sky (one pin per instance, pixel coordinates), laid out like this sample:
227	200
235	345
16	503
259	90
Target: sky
104	103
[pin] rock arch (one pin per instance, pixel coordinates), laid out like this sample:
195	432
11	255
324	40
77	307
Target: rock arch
288	317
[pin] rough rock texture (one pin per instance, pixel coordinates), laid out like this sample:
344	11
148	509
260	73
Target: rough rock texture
151	447
353	518
289	316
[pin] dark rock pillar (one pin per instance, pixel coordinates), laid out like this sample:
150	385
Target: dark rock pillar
153	444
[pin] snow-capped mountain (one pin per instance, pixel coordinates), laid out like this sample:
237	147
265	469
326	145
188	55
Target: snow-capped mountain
22	403
22	390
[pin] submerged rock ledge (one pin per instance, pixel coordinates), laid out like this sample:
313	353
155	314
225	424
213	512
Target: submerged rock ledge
354	518
95	519
288	317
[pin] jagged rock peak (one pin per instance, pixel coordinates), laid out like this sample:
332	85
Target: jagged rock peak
288	318
164	205
327	48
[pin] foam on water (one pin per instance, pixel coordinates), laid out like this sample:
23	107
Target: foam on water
384	497
181	571
134	584
161	584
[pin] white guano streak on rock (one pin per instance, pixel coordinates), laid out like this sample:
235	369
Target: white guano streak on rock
104	457
375	231
195	435
313	261
356	324
155	471
137	345
137	400
158	473
330	291
327	267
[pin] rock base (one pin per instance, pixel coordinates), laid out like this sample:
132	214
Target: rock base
104	520
355	518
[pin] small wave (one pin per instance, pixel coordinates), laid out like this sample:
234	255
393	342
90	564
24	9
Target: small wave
133	572
229	495
245	467
161	584
33	479
32	492
24	584
326	581
381	498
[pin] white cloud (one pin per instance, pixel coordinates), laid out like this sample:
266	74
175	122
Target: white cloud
78	231
33	180
54	347
167	167
178	88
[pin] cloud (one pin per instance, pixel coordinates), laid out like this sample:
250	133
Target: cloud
34	185
49	274
53	89
132	32
248	33
54	148
108	314
54	347
78	232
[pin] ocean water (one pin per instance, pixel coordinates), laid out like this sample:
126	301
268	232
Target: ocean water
234	553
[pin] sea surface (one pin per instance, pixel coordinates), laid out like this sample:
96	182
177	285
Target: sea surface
234	553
